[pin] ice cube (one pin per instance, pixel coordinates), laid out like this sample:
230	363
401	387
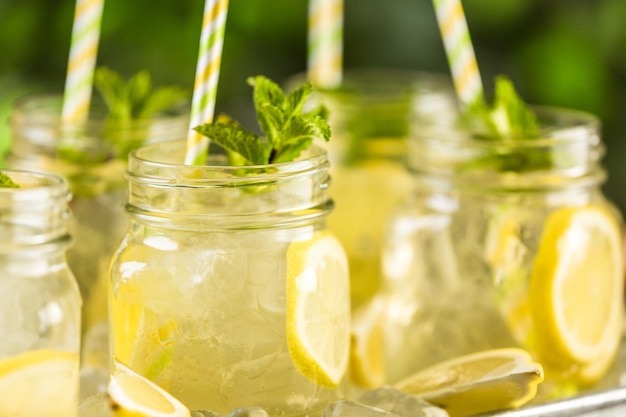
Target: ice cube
347	408
248	412
97	405
401	403
204	413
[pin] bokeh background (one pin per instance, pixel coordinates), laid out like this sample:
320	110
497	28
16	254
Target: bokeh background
568	53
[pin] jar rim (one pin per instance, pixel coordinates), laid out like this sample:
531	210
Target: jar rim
567	150
48	107
34	186
380	81
164	162
557	125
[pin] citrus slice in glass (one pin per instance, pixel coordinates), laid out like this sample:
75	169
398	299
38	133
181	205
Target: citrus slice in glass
367	367
478	383
318	308
42	383
576	291
133	395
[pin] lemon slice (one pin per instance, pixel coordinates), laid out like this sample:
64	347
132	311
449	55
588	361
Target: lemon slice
576	292
318	309
135	396
477	383
367	366
42	383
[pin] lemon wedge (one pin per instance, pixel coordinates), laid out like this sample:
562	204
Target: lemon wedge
135	396
367	365
318	309
576	292
477	383
42	383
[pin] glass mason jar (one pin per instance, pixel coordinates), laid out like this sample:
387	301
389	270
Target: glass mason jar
370	116
92	157
228	290
40	307
506	243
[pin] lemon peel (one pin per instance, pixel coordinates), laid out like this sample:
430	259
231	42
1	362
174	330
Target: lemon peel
479	382
576	292
132	395
41	383
367	365
318	309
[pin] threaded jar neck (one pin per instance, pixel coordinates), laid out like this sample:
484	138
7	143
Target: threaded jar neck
566	153
35	214
36	124
163	190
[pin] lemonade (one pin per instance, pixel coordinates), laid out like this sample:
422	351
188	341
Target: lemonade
486	254
227	290
370	115
39	299
92	157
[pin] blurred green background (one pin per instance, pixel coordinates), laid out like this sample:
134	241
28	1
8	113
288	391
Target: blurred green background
568	53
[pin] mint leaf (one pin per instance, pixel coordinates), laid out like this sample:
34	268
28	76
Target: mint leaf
288	130
509	119
6	181
243	147
510	115
137	98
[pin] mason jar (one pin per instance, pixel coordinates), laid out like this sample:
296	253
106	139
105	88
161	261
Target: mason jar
504	243
92	157
40	302
228	290
370	115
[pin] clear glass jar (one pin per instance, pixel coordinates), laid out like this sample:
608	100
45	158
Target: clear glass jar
490	240
206	288
370	116
92	157
40	302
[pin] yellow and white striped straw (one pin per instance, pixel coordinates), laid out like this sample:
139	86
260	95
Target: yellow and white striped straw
459	49
82	60
325	42
207	76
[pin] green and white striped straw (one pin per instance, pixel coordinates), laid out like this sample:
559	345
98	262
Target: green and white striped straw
325	42
82	60
207	76
459	49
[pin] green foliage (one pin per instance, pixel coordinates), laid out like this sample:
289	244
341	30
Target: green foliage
136	98
508	119
6	181
288	129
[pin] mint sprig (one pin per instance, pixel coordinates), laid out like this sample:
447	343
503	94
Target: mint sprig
288	129
127	102
136	98
7	182
507	120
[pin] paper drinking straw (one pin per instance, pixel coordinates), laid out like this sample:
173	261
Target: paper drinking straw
325	42
82	60
459	49
207	75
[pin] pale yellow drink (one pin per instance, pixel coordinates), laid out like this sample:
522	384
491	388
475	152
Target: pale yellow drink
92	158
505	244
370	117
39	300
228	290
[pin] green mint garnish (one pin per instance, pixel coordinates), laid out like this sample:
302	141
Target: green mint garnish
135	99
6	181
507	120
288	129
127	102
